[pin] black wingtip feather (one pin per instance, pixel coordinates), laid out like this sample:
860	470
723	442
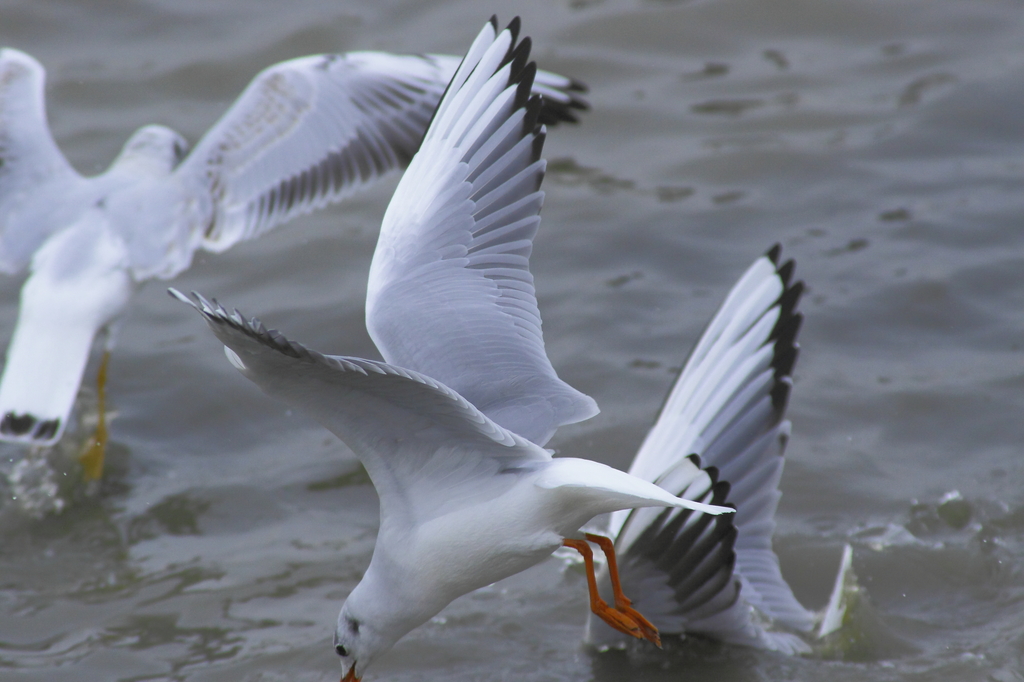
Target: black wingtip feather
774	253
538	147
784	359
538	143
578	86
722	490
678	547
518	59
683	574
786	272
555	112
532	104
524	89
215	313
700	582
787	333
780	395
513	27
787	308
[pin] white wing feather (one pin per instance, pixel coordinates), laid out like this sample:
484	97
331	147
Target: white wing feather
307	132
29	157
726	407
310	131
450	292
418	440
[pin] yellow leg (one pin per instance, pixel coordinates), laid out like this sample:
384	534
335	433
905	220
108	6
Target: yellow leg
94	451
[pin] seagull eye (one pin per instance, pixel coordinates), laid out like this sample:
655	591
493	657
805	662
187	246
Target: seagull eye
340	650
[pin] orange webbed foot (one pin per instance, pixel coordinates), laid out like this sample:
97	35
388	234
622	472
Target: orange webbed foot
622	617
622	603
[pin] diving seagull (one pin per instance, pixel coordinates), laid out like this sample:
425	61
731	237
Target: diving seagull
464	500
721	434
304	133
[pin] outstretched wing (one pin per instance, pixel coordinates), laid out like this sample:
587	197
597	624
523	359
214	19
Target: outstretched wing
450	291
28	155
424	446
727	406
310	131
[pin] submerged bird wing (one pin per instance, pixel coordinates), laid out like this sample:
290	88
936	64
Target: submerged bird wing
310	131
450	292
28	155
425	447
727	407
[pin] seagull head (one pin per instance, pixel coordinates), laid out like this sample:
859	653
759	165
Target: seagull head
352	643
154	146
358	642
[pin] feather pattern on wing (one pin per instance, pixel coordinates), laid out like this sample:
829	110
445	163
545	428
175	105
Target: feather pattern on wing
304	133
450	291
310	131
727	407
418	439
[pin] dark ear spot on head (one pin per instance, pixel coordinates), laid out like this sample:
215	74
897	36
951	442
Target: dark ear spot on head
353	625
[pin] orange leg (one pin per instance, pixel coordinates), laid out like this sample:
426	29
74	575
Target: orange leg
93	453
616	619
622	603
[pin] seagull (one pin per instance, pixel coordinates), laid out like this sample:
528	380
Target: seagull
720	437
305	133
464	499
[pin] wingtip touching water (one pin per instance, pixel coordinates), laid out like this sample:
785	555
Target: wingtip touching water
450	473
720	436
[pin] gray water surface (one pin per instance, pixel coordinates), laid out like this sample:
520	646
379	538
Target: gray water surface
880	142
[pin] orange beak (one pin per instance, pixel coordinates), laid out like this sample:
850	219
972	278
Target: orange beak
350	676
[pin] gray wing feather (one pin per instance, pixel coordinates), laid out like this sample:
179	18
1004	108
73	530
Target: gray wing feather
726	407
421	443
307	132
450	291
29	158
311	131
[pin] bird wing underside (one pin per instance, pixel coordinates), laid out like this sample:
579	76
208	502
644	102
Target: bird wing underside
727	407
423	445
450	291
29	157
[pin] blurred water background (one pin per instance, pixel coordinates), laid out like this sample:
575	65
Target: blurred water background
880	141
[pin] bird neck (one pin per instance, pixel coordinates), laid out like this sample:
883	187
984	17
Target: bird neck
390	604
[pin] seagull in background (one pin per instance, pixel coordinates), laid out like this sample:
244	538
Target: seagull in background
304	133
720	437
465	499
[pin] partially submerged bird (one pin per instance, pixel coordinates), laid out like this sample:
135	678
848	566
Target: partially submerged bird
304	133
720	438
451	438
